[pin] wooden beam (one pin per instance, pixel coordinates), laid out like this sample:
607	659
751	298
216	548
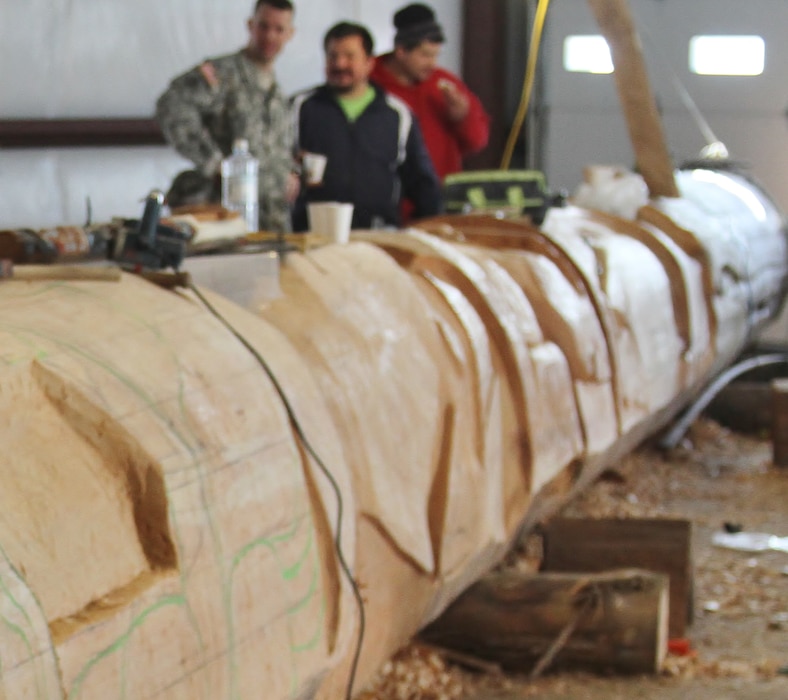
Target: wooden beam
484	70
49	133
637	99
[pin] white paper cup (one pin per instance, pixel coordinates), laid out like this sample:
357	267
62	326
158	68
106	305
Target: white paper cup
331	219
314	166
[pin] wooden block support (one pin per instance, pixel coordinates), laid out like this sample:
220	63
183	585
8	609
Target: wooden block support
779	397
659	545
616	621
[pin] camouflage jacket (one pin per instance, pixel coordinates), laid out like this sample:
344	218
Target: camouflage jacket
205	109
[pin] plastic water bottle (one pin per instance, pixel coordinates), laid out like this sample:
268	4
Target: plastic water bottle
239	184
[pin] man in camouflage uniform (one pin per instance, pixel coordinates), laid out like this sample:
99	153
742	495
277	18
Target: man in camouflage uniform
236	96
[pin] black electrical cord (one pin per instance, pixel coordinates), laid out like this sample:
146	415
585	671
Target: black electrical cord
334	485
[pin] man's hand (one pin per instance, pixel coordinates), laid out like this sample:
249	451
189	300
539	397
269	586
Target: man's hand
292	187
457	103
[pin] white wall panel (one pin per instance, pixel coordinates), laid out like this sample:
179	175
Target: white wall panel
747	114
112	58
576	142
40	188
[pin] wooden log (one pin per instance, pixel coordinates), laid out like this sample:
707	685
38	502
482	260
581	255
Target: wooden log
615	621
595	545
170	523
174	477
162	530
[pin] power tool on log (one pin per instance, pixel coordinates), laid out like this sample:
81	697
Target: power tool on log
135	245
147	243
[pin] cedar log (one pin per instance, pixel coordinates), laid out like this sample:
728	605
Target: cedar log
169	527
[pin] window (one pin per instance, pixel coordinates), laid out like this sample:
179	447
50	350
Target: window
727	55
587	54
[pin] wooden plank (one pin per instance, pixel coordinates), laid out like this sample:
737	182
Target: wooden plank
654	544
637	99
52	133
29	273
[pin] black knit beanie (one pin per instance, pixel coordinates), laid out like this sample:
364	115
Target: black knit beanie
416	23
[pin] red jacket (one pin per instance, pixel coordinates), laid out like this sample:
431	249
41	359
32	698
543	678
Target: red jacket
447	142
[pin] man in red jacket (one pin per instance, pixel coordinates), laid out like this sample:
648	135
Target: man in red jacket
452	119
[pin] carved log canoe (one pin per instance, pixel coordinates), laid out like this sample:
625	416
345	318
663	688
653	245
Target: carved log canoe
185	481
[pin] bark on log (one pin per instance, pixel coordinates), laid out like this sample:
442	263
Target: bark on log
615	621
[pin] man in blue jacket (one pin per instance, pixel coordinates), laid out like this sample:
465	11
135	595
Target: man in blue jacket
374	150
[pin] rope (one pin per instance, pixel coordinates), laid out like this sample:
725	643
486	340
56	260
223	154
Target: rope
588	596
